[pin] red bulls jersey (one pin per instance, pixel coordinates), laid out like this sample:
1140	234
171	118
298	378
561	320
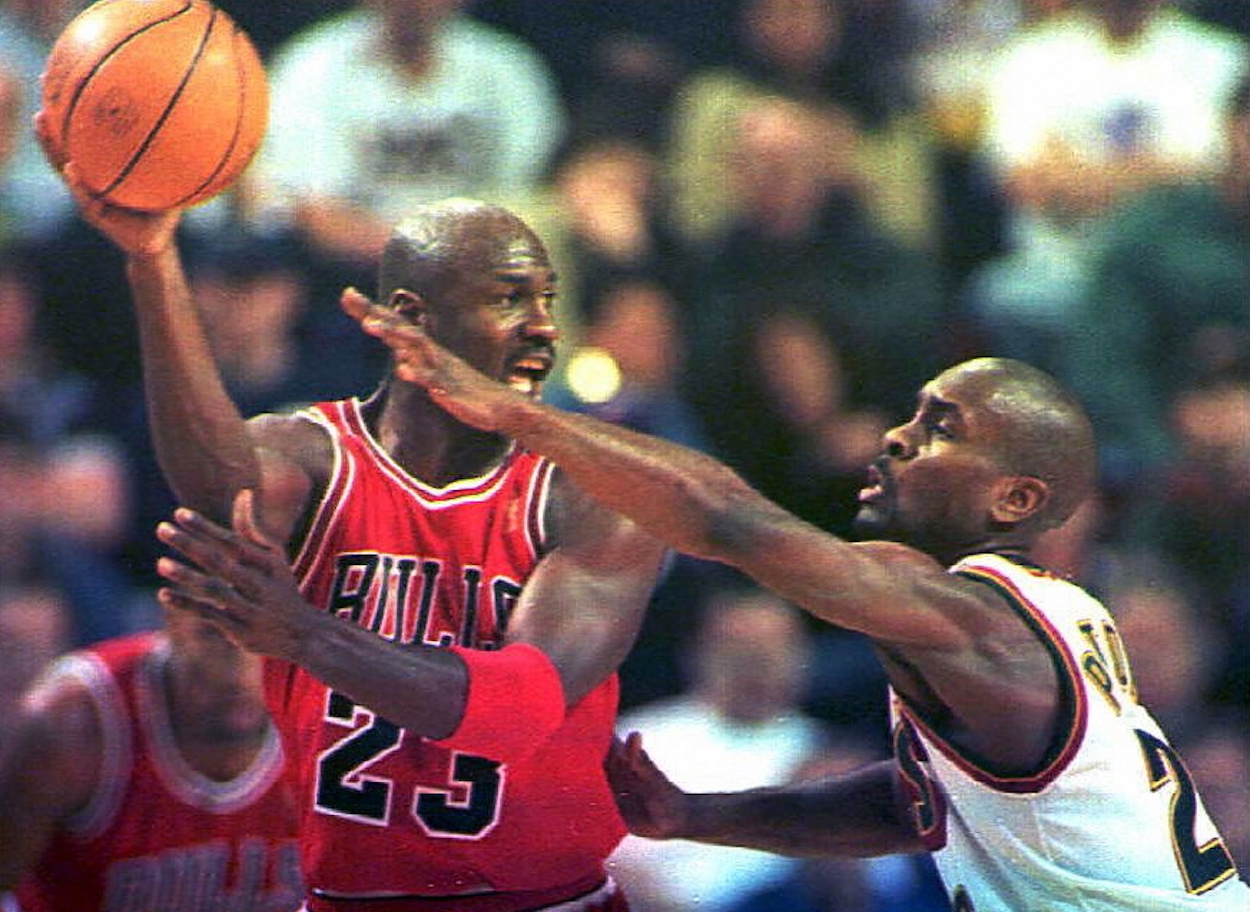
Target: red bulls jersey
386	813
157	834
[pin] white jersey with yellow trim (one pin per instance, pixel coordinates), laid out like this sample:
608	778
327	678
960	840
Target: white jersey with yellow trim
1111	821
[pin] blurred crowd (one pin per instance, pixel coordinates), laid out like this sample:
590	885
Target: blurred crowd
773	220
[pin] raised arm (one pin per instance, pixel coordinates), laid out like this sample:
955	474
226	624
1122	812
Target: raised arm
202	442
947	643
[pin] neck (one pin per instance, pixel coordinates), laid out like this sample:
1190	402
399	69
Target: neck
425	441
208	743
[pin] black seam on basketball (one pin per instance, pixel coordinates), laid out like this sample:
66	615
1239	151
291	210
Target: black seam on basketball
238	125
90	74
173	101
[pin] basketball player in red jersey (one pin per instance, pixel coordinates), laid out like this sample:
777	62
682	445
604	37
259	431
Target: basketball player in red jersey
145	773
449	703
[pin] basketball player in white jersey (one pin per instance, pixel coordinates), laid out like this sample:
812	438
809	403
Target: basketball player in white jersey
1023	760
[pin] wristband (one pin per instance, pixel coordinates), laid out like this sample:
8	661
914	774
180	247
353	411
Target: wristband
515	703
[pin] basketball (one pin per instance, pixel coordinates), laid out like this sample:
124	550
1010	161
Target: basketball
159	104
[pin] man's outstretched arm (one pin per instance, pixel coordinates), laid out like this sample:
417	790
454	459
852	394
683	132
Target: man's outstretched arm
689	500
856	814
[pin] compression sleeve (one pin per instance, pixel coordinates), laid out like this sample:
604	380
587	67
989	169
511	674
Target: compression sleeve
515	703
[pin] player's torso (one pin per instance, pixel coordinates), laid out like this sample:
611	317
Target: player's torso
157	833
1112	818
441	567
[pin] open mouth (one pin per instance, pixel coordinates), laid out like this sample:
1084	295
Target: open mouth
874	490
526	374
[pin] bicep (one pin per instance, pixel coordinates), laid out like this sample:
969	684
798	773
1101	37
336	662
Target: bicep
886	591
585	601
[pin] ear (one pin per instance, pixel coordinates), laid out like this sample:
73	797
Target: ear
1018	498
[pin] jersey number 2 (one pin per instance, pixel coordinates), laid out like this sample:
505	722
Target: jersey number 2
1204	866
344	788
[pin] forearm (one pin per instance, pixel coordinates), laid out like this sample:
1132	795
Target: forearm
677	494
201	439
857	814
501	704
419	688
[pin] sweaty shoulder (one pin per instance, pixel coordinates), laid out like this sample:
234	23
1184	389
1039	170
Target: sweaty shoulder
57	747
297	459
296	438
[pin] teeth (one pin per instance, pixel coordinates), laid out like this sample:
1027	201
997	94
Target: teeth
523	382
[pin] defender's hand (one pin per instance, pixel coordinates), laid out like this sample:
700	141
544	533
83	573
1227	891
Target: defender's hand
464	392
650	803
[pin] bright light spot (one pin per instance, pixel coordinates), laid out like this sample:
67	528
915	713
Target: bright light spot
593	375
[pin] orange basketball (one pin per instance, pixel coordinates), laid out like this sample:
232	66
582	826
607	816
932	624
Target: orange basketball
158	103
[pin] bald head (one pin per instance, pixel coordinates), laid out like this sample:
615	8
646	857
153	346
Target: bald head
1043	430
430	250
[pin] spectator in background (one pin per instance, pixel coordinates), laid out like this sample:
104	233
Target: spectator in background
1166	304
67	500
801	243
811	429
1087	109
395	103
610	220
35	207
797	50
274	348
618	64
628	369
1198	511
38	394
1177	651
85	508
739	723
63	524
953	42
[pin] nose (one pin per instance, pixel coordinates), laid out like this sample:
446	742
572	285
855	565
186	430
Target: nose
897	443
540	322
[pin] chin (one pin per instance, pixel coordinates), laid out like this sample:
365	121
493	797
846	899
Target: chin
870	524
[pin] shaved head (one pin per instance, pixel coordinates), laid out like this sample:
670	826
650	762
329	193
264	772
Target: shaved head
430	249
1045	431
